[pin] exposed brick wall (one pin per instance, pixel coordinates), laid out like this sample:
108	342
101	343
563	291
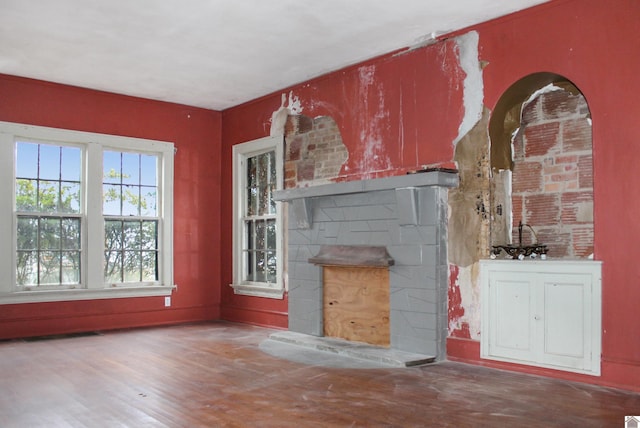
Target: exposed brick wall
314	152
553	174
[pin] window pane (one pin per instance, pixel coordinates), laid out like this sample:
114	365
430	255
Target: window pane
70	267
112	235
111	167
252	175
271	234
27	268
249	266
70	164
113	267
69	197
252	201
249	228
27	233
150	235
26	160
49	267
26	195
261	267
71	234
130	200
149	266
271	266
111	197
130	168
132	239
148	202
149	170
48	196
49	168
50	233
132	266
260	235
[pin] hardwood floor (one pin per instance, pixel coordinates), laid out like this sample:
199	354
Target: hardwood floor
210	375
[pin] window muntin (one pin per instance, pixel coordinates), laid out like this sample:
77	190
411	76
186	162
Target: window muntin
48	215
129	206
257	229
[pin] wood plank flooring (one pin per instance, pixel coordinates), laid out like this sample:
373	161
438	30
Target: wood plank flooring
215	375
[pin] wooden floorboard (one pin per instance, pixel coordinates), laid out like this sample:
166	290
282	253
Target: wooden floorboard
215	375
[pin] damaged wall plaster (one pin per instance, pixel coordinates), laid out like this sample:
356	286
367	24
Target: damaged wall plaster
279	117
473	94
314	151
469	202
469	229
371	94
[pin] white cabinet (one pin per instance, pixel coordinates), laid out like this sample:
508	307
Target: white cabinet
542	313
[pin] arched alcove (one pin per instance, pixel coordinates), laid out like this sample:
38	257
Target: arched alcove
541	164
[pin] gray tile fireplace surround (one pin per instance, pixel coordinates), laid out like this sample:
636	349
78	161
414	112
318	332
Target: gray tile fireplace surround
406	214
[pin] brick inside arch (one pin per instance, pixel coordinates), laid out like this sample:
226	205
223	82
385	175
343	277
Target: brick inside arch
551	176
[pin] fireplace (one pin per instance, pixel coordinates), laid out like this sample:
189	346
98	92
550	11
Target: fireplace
398	223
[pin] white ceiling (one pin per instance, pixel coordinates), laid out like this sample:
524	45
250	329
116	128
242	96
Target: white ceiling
216	53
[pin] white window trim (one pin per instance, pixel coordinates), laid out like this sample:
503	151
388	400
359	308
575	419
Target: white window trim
93	285
240	153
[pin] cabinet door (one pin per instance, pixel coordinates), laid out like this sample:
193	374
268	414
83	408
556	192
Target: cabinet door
511	319
564	312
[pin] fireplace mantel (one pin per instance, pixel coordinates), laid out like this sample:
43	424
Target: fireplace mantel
405	187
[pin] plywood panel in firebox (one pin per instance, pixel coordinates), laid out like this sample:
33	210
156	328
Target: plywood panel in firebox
356	304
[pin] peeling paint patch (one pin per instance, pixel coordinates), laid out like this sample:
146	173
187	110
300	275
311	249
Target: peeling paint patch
455	308
294	105
473	94
372	95
464	302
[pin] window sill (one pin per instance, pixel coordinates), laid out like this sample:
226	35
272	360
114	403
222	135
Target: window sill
84	294
258	291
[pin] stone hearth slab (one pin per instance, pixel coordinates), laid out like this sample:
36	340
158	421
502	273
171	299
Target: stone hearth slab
359	350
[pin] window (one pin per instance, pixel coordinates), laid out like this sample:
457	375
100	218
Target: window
91	215
257	228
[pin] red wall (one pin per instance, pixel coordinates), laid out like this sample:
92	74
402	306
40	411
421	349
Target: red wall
196	134
399	112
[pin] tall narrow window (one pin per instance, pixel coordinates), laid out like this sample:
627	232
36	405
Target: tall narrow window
131	219
48	215
257	228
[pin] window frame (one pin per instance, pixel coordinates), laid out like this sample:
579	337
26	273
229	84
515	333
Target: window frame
92	281
241	152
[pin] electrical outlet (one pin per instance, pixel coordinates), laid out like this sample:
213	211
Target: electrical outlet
167	301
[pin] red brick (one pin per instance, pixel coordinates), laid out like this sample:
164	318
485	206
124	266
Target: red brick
306	170
566	159
294	148
583	241
585	172
577	207
559	104
527	177
558	242
540	139
542	210
517	206
576	135
531	112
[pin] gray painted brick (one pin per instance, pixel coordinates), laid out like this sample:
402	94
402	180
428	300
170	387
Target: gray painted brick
410	255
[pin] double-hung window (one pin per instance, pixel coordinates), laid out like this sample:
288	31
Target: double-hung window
257	228
89	215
